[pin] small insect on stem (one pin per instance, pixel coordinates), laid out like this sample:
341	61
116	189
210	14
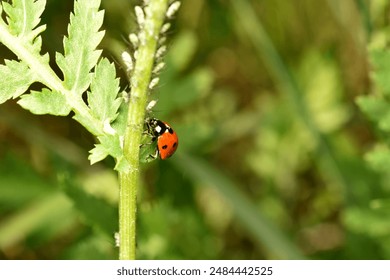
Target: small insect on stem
134	40
153	83
128	61
173	8
140	15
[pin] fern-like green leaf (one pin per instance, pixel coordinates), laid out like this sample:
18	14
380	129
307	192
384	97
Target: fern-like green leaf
122	165
97	154
23	17
102	99
120	122
80	54
45	102
109	145
15	78
22	29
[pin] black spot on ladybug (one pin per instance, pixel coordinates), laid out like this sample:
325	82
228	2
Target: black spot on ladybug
170	130
174	145
164	147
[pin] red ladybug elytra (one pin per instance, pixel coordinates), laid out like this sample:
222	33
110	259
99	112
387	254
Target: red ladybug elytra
167	140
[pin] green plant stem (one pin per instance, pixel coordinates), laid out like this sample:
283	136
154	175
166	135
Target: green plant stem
140	79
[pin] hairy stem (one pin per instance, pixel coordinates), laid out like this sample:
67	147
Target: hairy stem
140	79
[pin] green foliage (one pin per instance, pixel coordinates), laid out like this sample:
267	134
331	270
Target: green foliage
379	158
45	102
371	221
79	58
104	104
43	213
275	160
15	79
80	54
81	71
102	99
376	106
23	18
380	60
256	225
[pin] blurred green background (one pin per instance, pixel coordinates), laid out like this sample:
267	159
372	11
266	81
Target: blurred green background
271	162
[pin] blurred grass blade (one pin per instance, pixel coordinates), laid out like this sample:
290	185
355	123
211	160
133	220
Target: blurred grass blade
262	230
43	211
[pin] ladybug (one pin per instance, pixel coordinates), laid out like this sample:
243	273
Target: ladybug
167	140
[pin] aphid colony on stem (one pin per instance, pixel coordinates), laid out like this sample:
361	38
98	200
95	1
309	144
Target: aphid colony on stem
161	133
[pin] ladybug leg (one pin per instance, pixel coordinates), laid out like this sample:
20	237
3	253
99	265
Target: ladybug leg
148	143
154	156
146	132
